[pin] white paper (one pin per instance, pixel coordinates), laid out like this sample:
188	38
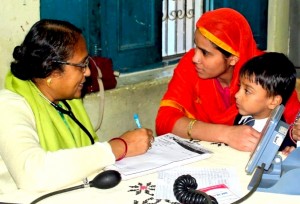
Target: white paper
222	183
164	154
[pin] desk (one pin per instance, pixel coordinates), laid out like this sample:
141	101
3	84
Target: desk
141	190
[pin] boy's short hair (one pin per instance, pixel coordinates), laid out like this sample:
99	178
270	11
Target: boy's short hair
274	72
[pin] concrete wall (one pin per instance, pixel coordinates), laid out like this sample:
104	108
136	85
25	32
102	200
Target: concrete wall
120	105
294	42
17	16
278	26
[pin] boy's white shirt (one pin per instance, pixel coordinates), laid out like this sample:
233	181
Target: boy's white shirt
258	123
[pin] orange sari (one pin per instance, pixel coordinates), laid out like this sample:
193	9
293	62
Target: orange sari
196	98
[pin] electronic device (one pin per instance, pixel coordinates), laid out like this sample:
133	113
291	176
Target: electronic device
272	137
279	176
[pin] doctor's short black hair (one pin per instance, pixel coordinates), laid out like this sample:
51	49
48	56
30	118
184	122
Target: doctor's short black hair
47	41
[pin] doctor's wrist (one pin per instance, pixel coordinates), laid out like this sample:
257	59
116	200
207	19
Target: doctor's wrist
121	141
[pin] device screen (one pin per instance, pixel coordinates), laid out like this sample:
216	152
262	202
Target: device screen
272	137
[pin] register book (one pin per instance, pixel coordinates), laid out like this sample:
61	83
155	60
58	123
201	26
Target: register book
167	151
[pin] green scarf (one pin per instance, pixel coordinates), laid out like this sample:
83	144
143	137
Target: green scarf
54	132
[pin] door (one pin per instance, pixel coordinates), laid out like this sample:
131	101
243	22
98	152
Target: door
131	33
128	31
83	14
256	12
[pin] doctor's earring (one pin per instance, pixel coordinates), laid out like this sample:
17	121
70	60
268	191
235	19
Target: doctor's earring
49	82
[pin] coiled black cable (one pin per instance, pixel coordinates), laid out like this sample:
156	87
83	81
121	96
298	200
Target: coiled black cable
185	191
185	185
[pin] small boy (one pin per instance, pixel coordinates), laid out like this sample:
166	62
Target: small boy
266	81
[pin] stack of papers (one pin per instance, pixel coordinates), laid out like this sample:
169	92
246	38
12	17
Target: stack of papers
167	151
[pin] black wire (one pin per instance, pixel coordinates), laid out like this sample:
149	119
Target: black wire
185	185
57	192
254	187
184	189
71	115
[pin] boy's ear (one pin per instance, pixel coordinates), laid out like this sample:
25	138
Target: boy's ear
275	101
233	60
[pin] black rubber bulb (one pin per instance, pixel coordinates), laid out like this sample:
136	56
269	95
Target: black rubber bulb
106	179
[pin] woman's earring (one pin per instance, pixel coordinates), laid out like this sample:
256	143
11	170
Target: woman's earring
49	82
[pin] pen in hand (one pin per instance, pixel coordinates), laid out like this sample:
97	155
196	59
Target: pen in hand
137	120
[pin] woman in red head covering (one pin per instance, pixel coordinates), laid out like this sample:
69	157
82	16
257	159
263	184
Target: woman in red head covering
199	102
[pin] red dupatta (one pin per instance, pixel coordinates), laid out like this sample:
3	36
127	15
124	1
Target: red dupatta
190	96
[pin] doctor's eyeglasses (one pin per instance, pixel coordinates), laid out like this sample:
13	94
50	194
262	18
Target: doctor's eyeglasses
82	65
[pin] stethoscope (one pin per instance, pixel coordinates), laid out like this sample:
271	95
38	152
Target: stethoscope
72	116
66	112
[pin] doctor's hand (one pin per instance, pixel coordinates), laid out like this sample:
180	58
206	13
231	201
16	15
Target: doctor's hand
132	143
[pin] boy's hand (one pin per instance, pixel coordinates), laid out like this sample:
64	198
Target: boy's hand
287	150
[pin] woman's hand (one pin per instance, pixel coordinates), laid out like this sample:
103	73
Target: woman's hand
296	131
287	150
242	137
138	142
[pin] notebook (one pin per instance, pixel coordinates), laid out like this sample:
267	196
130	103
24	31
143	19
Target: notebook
167	151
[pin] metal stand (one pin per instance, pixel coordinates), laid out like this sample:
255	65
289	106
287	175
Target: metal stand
282	176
